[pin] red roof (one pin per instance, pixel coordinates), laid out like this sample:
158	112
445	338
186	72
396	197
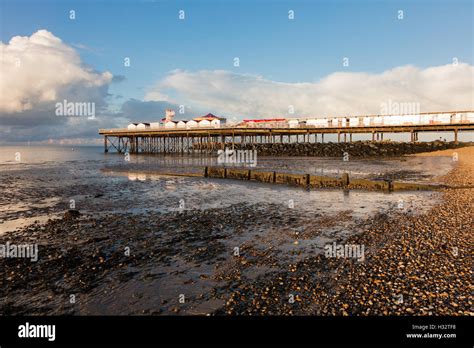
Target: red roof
208	117
267	120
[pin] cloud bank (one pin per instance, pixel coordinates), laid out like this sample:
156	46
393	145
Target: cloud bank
441	88
36	73
40	69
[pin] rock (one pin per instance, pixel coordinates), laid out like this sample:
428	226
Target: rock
71	214
356	149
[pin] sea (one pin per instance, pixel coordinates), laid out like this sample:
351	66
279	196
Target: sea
40	182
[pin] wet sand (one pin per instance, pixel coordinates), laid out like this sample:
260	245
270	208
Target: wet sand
185	262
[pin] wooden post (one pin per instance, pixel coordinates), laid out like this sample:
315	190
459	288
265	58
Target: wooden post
390	185
345	179
456	136
106	149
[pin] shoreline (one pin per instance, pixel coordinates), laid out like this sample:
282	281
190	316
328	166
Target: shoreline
85	257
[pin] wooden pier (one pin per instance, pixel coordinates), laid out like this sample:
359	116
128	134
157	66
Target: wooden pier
209	140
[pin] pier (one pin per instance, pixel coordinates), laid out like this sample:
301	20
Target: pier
209	140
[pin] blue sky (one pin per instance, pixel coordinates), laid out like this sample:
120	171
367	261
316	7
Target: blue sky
258	32
190	62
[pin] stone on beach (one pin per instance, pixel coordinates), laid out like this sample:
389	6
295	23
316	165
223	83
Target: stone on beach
71	214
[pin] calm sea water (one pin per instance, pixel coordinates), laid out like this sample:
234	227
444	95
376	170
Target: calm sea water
38	182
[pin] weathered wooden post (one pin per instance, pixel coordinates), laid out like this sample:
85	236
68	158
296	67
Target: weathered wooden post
345	179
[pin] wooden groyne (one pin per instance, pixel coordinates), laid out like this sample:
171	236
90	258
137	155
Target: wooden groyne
314	181
306	181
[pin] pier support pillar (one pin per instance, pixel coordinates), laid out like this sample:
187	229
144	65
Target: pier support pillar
106	149
455	136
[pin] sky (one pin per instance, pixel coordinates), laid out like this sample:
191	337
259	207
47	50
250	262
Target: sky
332	57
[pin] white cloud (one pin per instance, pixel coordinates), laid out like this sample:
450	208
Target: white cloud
441	88
39	70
